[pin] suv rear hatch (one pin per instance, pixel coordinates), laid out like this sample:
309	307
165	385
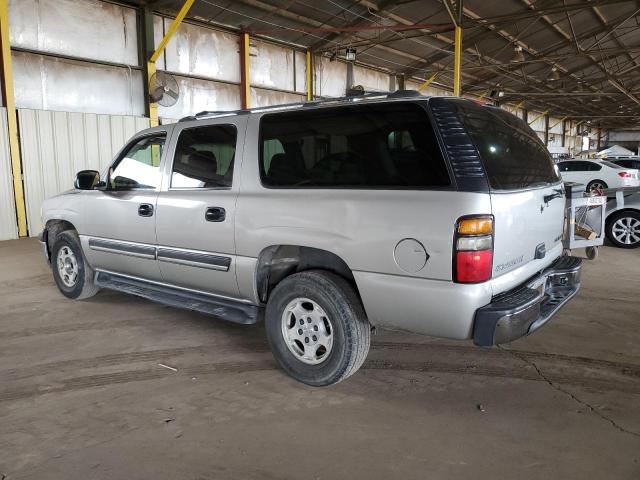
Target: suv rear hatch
527	194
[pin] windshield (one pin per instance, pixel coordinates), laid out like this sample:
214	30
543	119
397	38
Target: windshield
512	154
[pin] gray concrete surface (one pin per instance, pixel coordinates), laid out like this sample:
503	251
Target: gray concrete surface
82	395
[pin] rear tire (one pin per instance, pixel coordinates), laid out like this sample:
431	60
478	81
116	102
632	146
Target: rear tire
72	274
317	328
623	229
596	185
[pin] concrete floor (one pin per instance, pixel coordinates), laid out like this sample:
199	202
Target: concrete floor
82	395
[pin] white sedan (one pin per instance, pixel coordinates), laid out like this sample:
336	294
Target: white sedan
598	174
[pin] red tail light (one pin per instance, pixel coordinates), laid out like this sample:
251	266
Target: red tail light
473	267
625	174
473	249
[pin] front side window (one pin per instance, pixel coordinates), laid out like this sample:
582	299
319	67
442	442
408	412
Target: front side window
140	165
204	157
357	146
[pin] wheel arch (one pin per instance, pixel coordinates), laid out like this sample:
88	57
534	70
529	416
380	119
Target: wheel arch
277	262
52	229
622	210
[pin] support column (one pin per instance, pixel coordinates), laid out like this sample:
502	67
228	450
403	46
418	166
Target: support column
8	99
310	76
245	85
457	61
455	10
349	76
599	138
401	82
564	132
147	47
546	130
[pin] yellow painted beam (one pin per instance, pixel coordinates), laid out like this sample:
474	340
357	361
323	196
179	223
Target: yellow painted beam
309	76
153	107
457	61
427	82
172	29
12	120
538	117
245	83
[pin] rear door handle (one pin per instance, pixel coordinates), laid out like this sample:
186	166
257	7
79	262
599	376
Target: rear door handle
215	214
145	210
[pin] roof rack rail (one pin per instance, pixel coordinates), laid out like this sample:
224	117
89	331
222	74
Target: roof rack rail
349	98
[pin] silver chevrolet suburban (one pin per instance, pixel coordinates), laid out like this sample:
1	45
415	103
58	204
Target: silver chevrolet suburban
438	216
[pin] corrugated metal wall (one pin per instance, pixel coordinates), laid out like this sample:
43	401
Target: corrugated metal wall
56	145
8	227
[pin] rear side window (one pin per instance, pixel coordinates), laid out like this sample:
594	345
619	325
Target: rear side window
512	154
357	146
204	157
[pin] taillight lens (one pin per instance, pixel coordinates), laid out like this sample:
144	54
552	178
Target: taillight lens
625	174
473	250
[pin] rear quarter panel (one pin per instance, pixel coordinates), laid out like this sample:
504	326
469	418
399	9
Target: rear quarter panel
362	227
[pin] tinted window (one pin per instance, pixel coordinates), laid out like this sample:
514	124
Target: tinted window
356	146
139	167
512	154
625	163
204	157
611	164
566	166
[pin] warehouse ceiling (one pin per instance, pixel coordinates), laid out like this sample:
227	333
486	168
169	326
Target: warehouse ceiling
578	58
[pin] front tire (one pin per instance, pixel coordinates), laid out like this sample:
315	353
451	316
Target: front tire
71	273
623	229
317	328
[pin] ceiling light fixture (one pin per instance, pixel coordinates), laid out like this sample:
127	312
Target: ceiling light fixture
554	75
518	56
351	54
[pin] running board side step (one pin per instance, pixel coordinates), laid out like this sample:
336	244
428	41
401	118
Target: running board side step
224	308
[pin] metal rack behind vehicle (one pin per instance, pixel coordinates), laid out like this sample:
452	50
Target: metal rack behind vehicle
584	220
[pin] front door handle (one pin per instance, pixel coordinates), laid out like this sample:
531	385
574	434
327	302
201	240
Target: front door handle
215	214
145	210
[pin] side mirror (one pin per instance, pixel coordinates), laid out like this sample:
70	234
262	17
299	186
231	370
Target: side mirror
87	179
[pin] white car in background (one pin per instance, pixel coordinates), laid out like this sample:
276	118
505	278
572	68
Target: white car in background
622	225
598	174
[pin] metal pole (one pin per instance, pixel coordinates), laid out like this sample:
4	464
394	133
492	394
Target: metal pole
546	130
245	85
400	80
12	119
457	61
309	76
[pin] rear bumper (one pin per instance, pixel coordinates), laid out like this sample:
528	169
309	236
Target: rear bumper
523	310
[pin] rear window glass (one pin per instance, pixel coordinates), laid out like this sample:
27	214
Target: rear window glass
357	146
512	154
611	164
